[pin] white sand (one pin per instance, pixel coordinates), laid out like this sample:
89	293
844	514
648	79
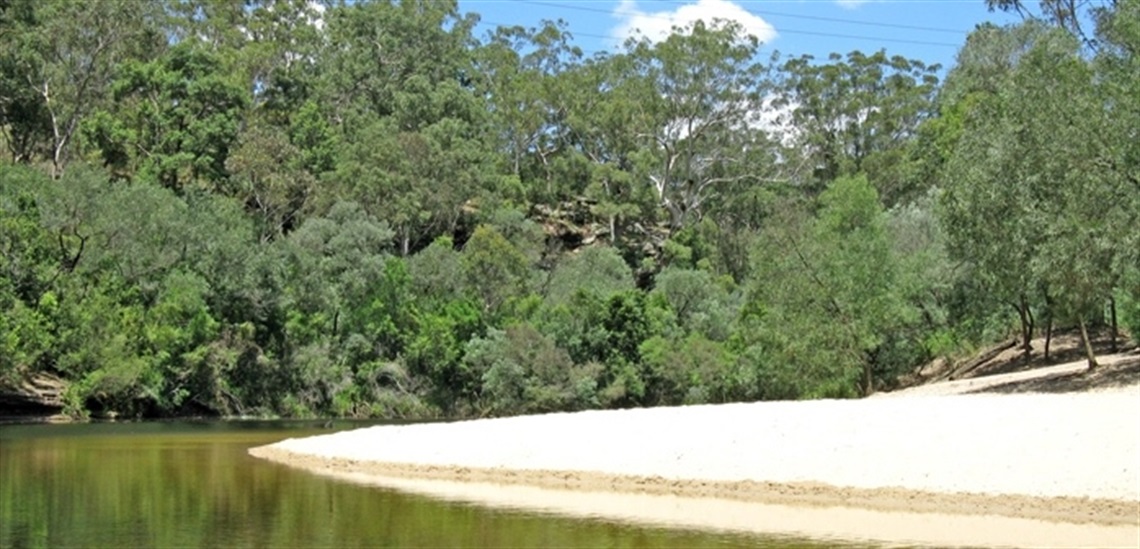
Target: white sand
838	524
1081	445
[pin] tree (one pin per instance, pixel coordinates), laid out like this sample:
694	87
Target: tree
29	268
987	206
523	371
700	301
692	370
520	69
601	104
268	175
1077	192
332	261
704	100
856	115
1118	72
595	269
495	270
437	273
59	59
839	268
1043	152
1065	14
175	120
436	353
398	85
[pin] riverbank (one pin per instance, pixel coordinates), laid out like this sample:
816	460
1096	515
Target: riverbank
1070	458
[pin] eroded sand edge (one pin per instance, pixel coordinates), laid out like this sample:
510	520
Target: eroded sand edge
1077	510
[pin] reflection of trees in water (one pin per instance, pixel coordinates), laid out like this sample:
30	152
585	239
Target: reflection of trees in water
181	487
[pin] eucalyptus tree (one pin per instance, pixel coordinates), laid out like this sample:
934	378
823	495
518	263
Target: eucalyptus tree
982	66
330	262
496	270
594	269
704	99
604	101
25	123
1083	207
523	371
275	169
1033	198
58	59
272	45
1071	15
824	297
986	208
520	72
854	114
174	120
700	302
399	88
30	266
284	61
1118	69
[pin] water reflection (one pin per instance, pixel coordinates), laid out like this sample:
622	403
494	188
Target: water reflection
192	484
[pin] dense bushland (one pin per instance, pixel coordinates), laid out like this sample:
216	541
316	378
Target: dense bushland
265	208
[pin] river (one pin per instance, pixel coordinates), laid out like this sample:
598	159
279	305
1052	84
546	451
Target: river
192	484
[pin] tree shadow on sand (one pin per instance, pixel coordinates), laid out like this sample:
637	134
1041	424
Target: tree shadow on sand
1120	374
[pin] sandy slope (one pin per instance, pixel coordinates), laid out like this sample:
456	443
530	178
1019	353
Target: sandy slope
1059	457
988	382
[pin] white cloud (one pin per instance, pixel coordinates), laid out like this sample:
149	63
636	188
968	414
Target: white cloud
658	25
851	4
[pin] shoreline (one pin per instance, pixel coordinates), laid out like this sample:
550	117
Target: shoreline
975	469
1073	510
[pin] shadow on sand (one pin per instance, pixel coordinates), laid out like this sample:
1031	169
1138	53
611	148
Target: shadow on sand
1120	374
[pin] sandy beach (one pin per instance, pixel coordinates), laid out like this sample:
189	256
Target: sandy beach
1049	459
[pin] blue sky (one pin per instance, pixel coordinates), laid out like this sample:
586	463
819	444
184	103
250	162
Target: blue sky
929	30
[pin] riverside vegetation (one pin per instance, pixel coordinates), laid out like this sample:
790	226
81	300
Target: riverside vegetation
214	207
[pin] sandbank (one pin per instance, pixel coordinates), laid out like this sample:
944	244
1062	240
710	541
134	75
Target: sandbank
977	469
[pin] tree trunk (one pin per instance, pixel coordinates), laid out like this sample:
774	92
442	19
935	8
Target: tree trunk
1048	335
1088	344
1026	325
868	384
961	370
1112	311
1048	323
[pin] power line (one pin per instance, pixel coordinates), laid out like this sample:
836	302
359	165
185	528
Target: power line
781	30
858	22
585	52
874	38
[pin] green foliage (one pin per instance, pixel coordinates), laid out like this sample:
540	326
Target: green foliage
1036	196
700	302
825	297
703	90
57	65
854	111
494	269
692	370
597	270
436	273
174	121
524	371
436	353
213	208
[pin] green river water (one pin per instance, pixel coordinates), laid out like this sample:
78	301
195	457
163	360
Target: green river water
191	484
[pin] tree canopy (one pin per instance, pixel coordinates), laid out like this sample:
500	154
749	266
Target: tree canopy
364	209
